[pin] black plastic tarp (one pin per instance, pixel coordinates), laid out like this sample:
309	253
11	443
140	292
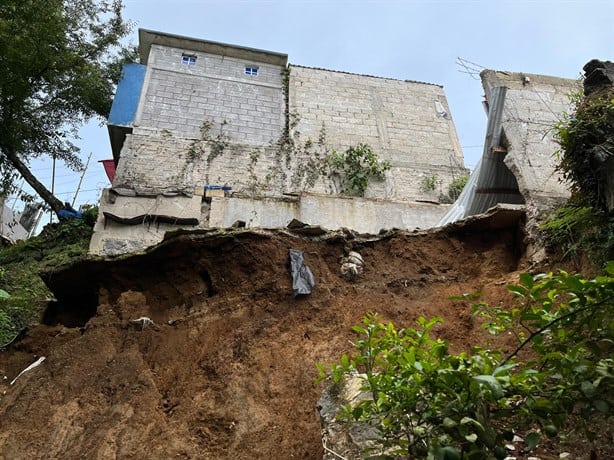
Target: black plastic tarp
302	277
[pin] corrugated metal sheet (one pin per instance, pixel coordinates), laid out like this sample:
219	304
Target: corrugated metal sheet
491	182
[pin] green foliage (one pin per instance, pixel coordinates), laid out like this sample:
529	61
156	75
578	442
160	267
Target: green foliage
574	229
428	403
16	313
428	184
20	264
90	215
456	187
356	166
60	61
567	320
586	137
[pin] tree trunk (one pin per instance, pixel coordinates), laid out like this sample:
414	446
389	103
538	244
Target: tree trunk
49	198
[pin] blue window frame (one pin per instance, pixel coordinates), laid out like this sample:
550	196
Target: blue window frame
188	59
251	70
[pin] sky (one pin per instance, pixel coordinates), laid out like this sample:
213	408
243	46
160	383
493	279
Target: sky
404	39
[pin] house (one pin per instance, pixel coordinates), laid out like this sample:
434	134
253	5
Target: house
205	134
18	226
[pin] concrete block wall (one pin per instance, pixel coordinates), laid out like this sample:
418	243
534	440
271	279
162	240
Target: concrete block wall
255	212
406	123
156	161
244	146
179	97
533	104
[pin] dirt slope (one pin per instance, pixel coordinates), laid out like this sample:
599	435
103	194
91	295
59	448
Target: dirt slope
228	369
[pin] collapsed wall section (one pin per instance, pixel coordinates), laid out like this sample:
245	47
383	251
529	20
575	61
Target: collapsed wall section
533	105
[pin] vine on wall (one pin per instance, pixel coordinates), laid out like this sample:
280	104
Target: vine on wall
297	164
355	167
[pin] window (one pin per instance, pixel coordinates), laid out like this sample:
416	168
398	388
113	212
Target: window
188	59
251	70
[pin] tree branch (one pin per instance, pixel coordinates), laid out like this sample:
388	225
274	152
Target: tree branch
548	325
42	191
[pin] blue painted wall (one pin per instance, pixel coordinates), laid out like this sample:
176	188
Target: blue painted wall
127	95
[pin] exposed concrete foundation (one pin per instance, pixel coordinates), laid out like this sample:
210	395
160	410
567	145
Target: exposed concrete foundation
360	214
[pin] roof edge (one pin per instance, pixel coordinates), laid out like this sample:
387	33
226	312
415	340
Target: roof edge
365	75
152	37
502	77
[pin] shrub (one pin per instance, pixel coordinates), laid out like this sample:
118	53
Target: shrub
356	166
586	137
428	403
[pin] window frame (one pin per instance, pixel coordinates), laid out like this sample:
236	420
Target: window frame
188	59
251	70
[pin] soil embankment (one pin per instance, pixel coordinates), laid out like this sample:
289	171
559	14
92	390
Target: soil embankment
227	368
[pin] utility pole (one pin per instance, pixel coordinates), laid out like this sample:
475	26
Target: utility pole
81	179
52	187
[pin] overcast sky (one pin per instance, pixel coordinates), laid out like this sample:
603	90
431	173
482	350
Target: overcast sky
405	39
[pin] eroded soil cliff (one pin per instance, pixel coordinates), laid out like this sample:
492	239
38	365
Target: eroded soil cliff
227	369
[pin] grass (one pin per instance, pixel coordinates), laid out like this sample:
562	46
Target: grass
20	265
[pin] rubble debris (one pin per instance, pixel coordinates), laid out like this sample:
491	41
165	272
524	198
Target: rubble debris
352	265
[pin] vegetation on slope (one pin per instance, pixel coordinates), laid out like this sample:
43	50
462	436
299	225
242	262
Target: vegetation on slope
586	136
25	294
427	403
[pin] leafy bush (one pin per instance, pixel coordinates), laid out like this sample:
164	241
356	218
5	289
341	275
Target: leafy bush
454	190
90	215
356	166
456	187
575	229
586	137
428	403
425	400
428	184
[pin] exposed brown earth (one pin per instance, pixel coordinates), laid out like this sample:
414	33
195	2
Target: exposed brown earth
227	369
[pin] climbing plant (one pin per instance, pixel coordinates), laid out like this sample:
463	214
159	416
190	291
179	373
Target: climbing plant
356	166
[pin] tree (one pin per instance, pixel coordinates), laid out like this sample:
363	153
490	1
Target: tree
60	61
